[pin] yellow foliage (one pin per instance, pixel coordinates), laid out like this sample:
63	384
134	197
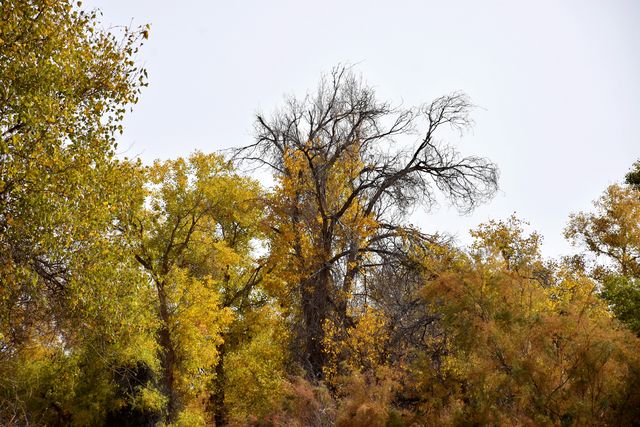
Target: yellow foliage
196	322
356	349
256	368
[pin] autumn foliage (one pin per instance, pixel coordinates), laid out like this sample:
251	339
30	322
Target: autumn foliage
185	293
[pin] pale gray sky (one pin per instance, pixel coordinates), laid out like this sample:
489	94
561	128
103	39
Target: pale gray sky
558	83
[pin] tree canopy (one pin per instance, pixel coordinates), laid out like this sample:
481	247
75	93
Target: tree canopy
184	293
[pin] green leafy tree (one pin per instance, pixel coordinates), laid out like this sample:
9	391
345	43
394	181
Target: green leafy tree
633	176
623	295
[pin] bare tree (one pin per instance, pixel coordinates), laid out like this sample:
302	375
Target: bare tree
344	118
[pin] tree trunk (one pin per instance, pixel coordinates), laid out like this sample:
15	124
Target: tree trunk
314	307
217	398
167	357
353	265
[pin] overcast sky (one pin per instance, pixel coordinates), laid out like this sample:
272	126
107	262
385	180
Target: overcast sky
558	83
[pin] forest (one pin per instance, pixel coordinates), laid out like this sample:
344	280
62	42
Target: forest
186	293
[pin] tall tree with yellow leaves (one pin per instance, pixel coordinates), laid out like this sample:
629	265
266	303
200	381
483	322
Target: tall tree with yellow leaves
194	241
346	181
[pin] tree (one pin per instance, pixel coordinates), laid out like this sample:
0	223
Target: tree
613	232
518	347
194	242
345	183
64	88
623	295
633	176
66	292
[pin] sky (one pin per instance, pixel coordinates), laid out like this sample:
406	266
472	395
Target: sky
557	84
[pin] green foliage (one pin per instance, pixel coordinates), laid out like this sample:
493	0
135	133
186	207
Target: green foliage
633	176
623	295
